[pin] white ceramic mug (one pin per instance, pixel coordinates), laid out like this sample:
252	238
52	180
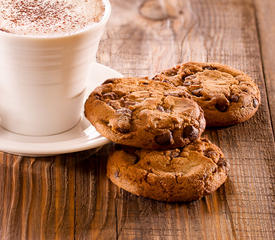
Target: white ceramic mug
43	79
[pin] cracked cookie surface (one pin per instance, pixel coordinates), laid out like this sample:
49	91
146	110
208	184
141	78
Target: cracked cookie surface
144	113
182	174
226	95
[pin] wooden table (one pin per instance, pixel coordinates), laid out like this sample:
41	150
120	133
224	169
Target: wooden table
69	196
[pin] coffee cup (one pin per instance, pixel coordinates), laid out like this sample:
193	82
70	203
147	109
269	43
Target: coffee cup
43	79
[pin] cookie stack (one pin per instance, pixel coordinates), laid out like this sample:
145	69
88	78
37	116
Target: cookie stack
158	125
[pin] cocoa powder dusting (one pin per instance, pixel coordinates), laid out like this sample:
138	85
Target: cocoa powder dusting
47	17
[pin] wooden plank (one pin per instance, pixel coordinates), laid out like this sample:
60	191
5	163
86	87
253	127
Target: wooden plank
199	30
265	13
95	207
37	197
69	196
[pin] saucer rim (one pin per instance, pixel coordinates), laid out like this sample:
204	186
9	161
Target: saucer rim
39	149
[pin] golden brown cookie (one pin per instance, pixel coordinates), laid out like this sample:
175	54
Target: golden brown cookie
226	95
144	113
182	174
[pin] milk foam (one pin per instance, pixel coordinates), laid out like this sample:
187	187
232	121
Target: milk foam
48	17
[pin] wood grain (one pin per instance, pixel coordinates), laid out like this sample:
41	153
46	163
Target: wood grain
69	196
204	31
265	16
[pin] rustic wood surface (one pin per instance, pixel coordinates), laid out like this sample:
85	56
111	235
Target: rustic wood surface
69	196
265	15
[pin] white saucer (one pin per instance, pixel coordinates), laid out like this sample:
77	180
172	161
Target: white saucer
81	137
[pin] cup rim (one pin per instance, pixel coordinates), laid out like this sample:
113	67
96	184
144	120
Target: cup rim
93	26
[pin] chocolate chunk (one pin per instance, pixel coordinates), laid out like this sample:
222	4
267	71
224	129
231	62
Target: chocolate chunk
171	74
174	154
125	129
97	96
186	84
183	77
123	123
145	83
255	103
116	174
166	81
210	153
222	104
197	92
186	79
110	95
234	98
209	68
223	164
111	80
190	132
160	108
164	138
122	102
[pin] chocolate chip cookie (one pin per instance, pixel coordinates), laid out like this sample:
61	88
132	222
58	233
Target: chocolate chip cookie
226	95
144	113
181	174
